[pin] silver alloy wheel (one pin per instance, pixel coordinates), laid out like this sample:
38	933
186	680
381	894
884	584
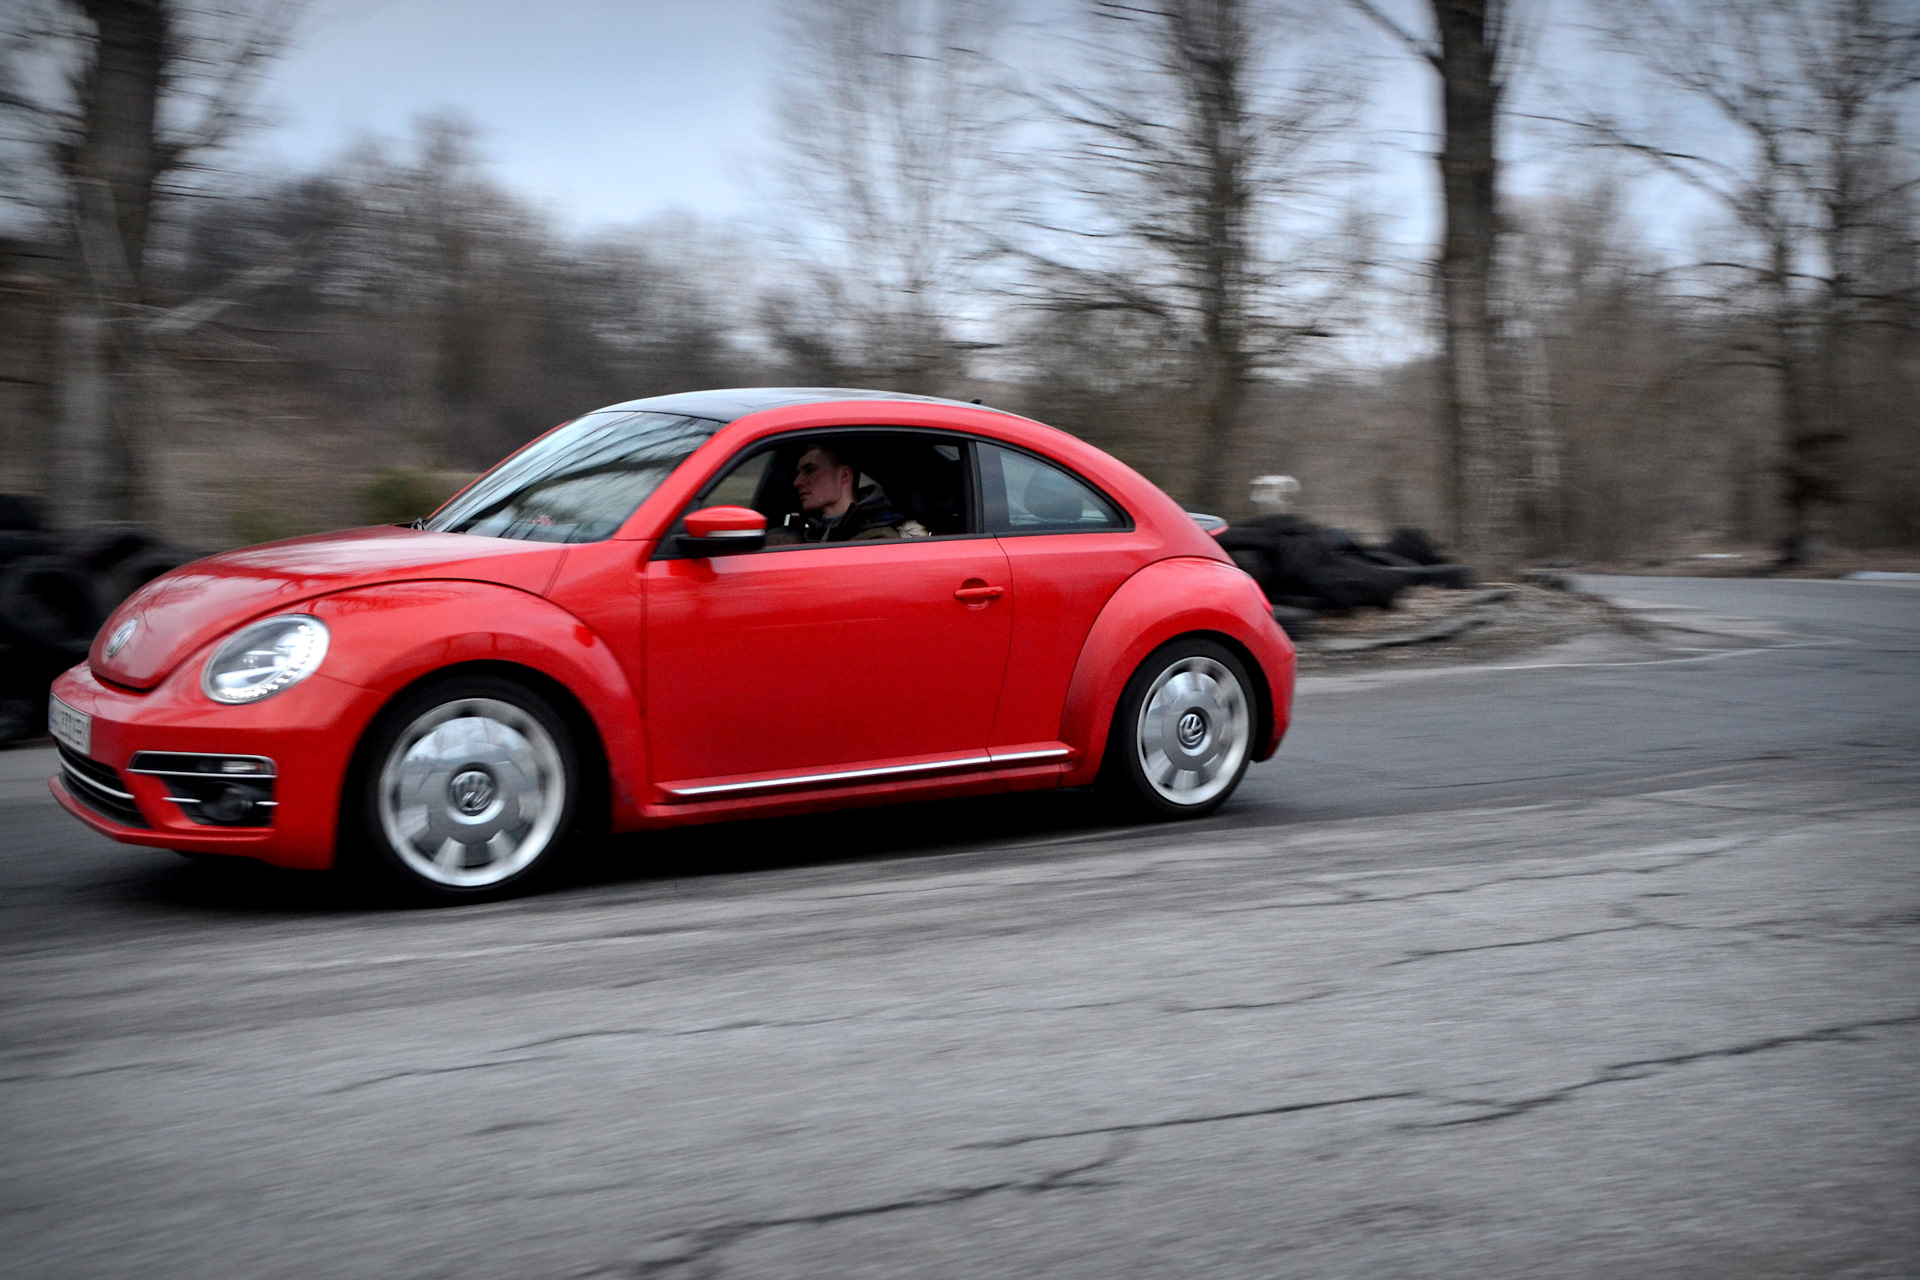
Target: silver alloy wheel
472	792
1193	732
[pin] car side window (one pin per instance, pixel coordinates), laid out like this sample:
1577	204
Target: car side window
908	486
1025	495
740	485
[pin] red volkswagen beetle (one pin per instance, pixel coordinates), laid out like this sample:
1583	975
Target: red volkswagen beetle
679	610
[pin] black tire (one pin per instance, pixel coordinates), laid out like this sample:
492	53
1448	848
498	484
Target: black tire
100	548
138	569
15	543
463	790
20	718
18	512
47	601
1416	545
1190	702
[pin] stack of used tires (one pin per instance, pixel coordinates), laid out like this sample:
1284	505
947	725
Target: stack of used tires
55	589
1306	568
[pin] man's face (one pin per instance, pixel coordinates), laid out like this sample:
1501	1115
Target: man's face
825	486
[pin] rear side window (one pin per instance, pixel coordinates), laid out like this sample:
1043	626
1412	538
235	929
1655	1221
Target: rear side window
1025	495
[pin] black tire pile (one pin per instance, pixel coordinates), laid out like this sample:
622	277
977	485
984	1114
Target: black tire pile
55	590
1308	569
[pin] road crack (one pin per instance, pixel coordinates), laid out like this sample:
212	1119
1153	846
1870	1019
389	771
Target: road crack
703	1243
1218	1117
1415	957
44	1077
1643	1068
1252	1005
1350	897
489	1065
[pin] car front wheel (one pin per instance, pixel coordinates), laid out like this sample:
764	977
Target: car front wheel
469	789
1183	732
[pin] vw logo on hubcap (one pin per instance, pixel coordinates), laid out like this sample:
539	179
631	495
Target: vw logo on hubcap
471	791
1192	729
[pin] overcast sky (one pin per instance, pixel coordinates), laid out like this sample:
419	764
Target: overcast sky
601	111
607	112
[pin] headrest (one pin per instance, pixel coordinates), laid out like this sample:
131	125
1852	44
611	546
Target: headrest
1053	498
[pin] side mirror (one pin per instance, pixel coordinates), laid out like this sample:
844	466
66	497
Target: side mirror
721	531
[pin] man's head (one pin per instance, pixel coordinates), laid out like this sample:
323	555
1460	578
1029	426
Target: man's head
826	484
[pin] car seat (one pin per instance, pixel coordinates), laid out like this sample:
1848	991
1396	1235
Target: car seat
1052	498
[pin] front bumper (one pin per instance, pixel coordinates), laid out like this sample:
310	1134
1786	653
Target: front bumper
309	731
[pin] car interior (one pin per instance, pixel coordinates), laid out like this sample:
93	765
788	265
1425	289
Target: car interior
925	477
1022	494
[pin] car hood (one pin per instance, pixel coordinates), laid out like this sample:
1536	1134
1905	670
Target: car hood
178	612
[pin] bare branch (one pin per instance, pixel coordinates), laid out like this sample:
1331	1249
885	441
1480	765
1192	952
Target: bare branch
1425	50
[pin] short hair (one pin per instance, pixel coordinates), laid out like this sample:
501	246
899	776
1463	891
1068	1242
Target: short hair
834	456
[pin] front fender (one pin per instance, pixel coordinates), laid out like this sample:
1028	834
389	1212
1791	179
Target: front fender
385	638
1167	599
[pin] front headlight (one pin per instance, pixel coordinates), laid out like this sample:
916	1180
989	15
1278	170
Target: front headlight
261	660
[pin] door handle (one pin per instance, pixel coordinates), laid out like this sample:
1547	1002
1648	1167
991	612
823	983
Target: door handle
978	592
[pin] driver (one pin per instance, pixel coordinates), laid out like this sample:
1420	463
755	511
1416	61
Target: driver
834	508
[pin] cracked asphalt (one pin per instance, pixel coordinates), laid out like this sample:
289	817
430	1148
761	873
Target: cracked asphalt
1600	962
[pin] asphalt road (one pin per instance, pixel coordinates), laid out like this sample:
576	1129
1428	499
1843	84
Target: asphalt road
1598	963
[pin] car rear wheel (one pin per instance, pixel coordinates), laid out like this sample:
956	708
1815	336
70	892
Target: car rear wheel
1183	732
469	789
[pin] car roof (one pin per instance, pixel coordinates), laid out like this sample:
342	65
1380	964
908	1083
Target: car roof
735	403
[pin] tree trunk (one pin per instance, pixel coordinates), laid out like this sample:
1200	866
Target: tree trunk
1222	399
1806	483
83	399
102	367
1470	101
1212	45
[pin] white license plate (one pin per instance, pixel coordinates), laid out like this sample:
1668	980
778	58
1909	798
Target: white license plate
71	729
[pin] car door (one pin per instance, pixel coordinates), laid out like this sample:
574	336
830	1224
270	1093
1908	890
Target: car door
1068	547
880	659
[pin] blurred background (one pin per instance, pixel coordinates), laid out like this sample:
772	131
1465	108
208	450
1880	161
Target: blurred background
1572	965
1562	281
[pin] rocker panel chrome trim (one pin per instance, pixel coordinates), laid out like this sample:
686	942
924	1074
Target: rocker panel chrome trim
839	776
1025	757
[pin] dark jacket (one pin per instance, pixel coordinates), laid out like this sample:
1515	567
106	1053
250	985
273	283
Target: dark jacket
870	518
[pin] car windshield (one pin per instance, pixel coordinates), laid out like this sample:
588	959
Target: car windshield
578	483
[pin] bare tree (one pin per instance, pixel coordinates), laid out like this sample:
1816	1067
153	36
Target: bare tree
151	89
1793	121
445	313
1186	142
1625	376
887	122
1471	49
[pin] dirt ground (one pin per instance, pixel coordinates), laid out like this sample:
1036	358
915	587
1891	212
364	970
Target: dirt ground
1432	625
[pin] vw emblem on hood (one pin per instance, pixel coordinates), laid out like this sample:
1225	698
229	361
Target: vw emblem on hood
121	634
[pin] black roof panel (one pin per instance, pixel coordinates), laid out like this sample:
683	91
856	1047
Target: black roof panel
738	402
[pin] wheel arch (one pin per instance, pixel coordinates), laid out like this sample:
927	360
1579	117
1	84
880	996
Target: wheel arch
1166	601
594	811
390	638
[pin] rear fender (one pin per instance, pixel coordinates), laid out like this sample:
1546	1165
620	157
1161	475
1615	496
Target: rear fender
1165	600
389	637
